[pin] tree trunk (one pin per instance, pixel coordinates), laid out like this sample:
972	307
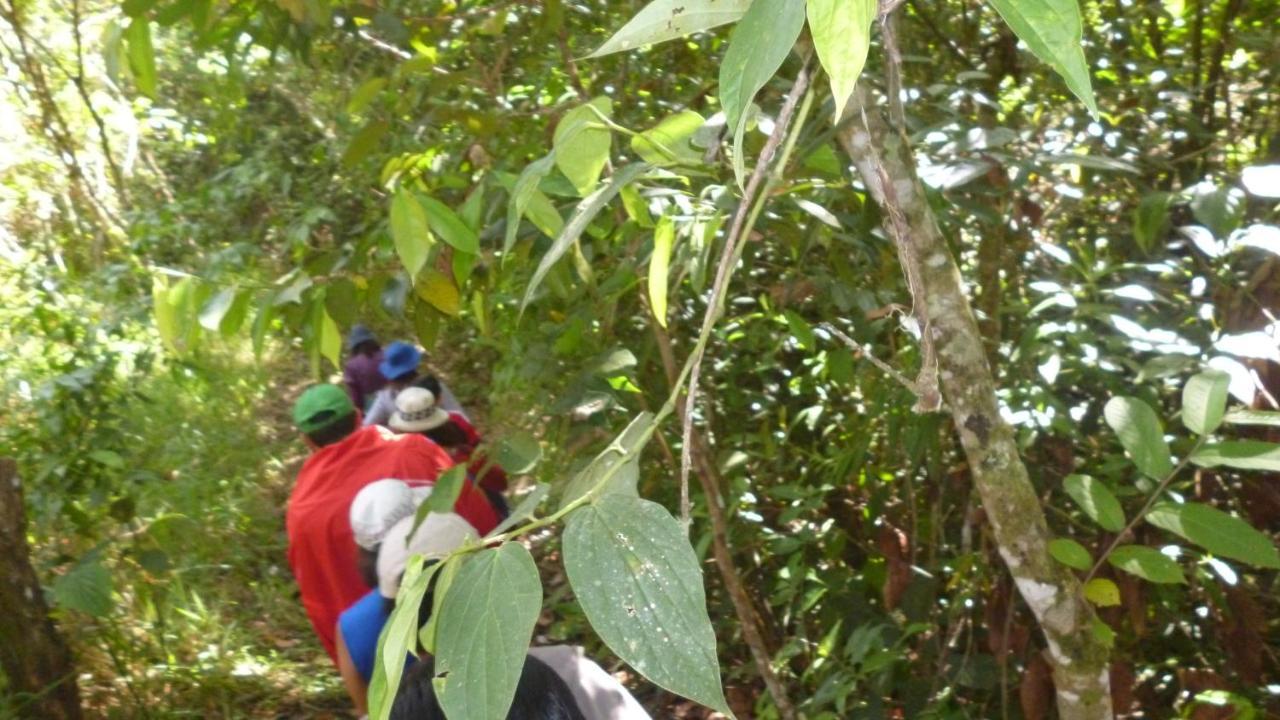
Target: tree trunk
1079	660
35	659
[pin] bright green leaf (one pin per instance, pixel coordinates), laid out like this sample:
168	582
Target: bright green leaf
640	584
664	20
841	32
398	636
667	143
330	338
410	231
521	194
1070	553
1147	563
1217	532
365	94
1141	435
578	222
107	458
486	623
142	57
581	146
1242	454
663	235
1102	592
1053	30
86	587
1096	501
165	315
438	289
757	47
1204	401
445	223
1104	633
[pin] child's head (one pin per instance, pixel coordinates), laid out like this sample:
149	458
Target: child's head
541	695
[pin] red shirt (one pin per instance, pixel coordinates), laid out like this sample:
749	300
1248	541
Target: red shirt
322	551
495	478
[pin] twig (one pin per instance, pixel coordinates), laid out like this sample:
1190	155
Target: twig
865	351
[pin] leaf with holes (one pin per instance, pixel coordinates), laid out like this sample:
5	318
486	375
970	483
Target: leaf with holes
639	581
1147	563
486	623
1140	433
1219	533
664	20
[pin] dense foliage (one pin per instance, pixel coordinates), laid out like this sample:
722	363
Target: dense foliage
200	198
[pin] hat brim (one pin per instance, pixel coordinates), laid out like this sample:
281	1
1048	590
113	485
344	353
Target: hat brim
437	418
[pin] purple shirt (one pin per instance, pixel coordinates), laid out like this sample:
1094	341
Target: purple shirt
362	378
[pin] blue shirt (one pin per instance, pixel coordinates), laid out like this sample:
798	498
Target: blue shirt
360	625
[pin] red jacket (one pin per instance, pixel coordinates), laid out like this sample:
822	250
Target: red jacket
322	551
495	478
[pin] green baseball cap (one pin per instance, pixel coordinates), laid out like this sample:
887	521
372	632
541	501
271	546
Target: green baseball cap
319	406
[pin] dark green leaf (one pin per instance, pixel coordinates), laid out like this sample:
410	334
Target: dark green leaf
617	466
1219	209
1151	220
1052	29
1096	501
640	583
1242	454
365	94
445	223
1217	532
1070	553
1141	435
86	587
664	20
486	622
527	507
1147	563
1204	401
364	142
517	453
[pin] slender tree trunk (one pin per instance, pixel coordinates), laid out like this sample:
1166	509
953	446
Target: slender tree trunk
1079	660
35	658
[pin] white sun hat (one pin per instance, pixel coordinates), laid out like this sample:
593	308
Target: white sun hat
416	411
380	505
437	536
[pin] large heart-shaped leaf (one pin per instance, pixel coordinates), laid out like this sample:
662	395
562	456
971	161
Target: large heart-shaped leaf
1217	532
1141	435
85	587
482	638
1053	30
639	581
664	20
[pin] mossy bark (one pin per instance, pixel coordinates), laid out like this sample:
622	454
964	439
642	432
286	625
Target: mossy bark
887	167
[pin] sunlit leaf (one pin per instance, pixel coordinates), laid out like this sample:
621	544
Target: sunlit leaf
640	584
841	32
1096	501
1138	428
581	146
216	308
1070	553
166	316
142	56
1204	401
664	20
398	637
1253	417
1241	454
667	143
486	623
410	231
522	194
1147	563
1052	29
446	224
663	235
1102	592
329	338
1219	533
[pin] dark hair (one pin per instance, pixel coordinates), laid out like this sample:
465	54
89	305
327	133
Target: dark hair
541	695
333	432
447	435
367	564
367	347
430	382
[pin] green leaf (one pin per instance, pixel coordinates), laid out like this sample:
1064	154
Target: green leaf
438	289
1242	454
444	495
86	587
522	193
1096	501
1204	401
664	20
667	143
445	223
517	453
1219	209
1151	220
640	584
578	222
1141	435
1053	29
428	633
841	32
663	236
581	147
165	315
486	623
235	316
1219	533
329	337
617	466
1102	592
757	47
1104	633
107	458
524	510
410	232
365	94
364	142
1253	417
398	636
1070	553
1147	563
142	57
216	308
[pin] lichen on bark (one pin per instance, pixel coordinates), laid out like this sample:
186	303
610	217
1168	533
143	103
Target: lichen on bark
1079	660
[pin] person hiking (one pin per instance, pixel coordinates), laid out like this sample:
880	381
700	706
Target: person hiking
417	412
399	366
345	457
360	373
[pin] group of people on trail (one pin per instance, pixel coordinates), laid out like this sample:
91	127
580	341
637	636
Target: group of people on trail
378	444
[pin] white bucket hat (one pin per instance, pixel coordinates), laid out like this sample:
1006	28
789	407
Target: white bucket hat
416	411
380	505
437	536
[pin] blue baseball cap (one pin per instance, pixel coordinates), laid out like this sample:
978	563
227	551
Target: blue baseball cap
399	359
